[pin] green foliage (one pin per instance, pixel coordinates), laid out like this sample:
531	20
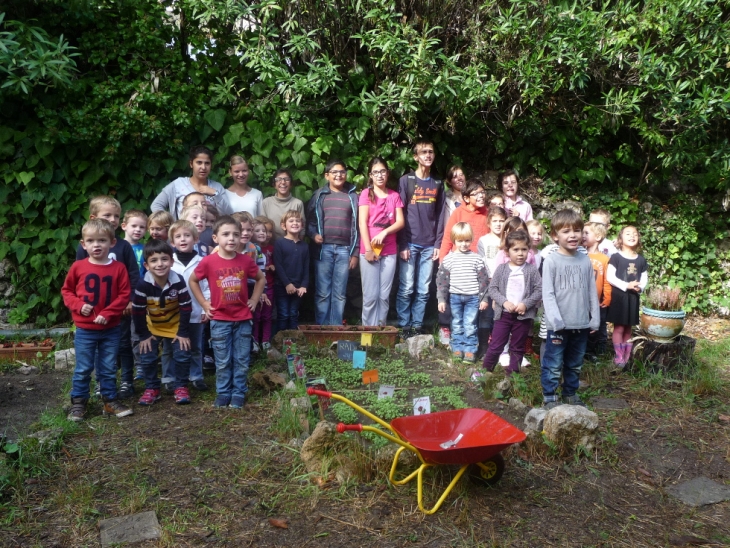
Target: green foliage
106	97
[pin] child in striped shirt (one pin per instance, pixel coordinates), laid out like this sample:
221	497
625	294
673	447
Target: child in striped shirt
463	279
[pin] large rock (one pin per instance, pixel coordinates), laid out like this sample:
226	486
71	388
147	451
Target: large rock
570	426
419	343
295	335
317	448
268	380
65	359
534	420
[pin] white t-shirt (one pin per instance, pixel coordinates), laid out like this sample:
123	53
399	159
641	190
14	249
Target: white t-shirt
251	202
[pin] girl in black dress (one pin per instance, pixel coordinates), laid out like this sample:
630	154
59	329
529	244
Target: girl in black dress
627	273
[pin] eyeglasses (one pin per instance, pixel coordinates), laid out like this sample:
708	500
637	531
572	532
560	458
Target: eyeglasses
336	172
379	173
282	180
477	194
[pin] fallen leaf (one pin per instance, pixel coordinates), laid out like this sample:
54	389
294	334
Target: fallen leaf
645	472
280	523
723	418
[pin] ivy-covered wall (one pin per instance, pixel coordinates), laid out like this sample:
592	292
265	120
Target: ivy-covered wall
620	104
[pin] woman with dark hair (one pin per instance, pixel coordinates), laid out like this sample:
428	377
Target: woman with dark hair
172	196
380	217
508	183
275	206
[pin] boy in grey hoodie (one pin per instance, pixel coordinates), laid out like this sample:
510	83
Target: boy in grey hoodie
571	309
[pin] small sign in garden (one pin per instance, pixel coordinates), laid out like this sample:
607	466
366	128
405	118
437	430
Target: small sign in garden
358	359
386	391
422	405
370	376
346	348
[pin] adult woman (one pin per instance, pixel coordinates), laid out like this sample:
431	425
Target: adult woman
509	185
241	196
380	216
172	196
455	179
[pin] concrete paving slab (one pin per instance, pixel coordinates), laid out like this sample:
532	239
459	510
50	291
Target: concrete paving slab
129	529
700	492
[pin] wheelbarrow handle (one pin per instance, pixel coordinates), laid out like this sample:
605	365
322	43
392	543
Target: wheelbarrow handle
314	392
342	428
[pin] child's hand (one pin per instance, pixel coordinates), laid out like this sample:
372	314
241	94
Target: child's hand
318	239
208	310
290	289
508	306
378	238
301	291
86	310
521	309
203	317
100	320
633	286
442	307
483	305
184	342
128	309
252	304
354	262
435	256
265	300
146	345
270	267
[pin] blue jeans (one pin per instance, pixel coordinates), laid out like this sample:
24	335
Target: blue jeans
464	312
564	352
331	271
231	342
196	354
100	346
287	308
178	369
126	356
416	271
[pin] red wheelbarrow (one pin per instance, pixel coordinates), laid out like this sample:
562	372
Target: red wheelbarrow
472	438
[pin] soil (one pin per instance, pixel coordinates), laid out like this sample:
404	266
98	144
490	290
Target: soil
217	478
24	397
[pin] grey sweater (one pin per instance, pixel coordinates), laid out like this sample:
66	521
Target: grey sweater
569	292
171	197
533	290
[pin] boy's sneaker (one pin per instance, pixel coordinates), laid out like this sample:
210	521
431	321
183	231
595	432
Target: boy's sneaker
525	362
113	407
469	357
444	335
78	409
266	346
169	390
222	401
126	390
255	348
138	375
97	390
208	363
457	355
237	402
199	385
573	400
547	406
182	396
150	396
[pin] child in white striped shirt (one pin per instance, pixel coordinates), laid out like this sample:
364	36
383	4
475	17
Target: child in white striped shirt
463	279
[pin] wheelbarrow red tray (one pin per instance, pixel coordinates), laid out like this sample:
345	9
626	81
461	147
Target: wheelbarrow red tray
484	435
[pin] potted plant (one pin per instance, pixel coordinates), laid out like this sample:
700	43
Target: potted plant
662	317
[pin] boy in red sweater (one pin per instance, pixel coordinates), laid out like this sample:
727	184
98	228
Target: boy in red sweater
96	291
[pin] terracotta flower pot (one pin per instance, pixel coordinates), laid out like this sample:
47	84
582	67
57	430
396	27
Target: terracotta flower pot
662	325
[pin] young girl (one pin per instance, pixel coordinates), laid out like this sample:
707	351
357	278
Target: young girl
489	244
240	195
509	185
263	316
496	200
516	290
196	215
627	273
462	279
380	216
172	196
274	207
510	225
537	239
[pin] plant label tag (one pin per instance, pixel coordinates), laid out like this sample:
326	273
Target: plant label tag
422	405
358	359
366	339
386	391
369	377
346	348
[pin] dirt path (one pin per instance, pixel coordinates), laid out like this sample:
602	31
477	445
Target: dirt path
24	397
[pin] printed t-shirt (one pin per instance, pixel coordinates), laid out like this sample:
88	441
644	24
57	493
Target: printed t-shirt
228	288
380	216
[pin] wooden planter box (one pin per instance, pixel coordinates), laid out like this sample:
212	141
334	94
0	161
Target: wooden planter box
324	335
26	351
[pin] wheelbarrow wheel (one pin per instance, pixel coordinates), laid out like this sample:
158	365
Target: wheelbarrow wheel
492	474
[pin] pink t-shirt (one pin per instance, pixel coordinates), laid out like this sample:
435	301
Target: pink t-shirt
227	279
380	216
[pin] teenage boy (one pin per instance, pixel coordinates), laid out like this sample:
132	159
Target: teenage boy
593	235
571	309
109	209
230	309
161	313
291	262
96	291
275	206
332	226
419	242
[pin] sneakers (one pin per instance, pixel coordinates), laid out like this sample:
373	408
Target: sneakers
525	362
222	401
97	390
573	400
266	346
504	360
237	402
208	363
138	375
78	410
150	396
113	407
469	357
169	390
199	385
547	406
182	396
255	348
444	335
457	355
126	390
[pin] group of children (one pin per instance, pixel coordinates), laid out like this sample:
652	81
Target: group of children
216	278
